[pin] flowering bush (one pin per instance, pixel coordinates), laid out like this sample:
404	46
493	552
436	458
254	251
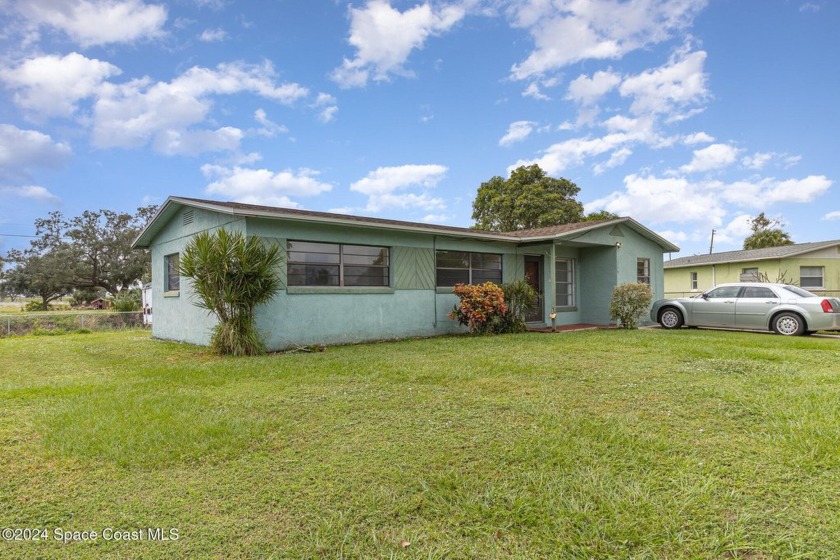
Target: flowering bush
481	308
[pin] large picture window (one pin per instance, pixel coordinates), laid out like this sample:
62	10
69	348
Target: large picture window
643	271
564	288
172	280
811	277
461	267
335	264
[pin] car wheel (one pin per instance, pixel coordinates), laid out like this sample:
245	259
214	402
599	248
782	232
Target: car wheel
788	324
670	318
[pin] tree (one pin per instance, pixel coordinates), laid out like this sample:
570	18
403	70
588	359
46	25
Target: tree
764	234
101	242
528	199
231	276
600	215
44	274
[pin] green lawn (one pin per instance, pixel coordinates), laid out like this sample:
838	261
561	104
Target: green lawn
595	444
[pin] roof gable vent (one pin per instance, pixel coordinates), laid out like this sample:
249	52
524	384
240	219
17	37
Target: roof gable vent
616	232
188	217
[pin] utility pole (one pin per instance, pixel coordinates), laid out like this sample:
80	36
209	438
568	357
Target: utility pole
712	243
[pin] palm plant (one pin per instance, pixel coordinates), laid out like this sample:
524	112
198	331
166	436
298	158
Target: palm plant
232	274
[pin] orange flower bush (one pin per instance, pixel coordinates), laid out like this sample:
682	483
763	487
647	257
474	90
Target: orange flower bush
482	306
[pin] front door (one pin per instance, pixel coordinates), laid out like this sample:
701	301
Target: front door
534	277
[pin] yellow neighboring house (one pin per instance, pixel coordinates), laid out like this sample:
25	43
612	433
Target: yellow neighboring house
813	266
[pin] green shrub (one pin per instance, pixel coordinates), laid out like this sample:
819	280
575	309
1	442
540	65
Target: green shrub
630	302
37	305
128	300
519	297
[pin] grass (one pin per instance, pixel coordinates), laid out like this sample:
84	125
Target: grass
596	444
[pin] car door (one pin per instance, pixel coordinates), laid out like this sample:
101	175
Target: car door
753	306
715	308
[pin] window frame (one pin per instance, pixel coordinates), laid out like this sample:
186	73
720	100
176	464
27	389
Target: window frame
643	278
170	272
470	269
571	284
810	286
341	265
693	281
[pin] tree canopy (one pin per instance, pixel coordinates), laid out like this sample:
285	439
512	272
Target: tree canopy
764	234
528	199
88	251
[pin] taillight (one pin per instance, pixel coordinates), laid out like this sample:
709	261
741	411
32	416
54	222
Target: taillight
826	306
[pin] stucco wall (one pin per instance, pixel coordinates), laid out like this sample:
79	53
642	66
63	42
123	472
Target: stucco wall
412	305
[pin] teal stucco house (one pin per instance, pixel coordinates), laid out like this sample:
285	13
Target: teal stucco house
351	279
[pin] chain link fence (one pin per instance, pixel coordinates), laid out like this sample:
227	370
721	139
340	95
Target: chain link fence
17	324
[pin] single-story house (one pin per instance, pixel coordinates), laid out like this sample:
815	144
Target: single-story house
350	279
813	266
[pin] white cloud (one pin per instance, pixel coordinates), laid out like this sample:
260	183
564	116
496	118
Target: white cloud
617	158
672	89
32	192
569	31
796	190
213	35
194	142
711	157
52	85
385	187
327	107
698	138
832	215
385	37
533	90
756	161
269	128
263	186
131	114
97	22
586	90
24	149
435	218
657	200
517	131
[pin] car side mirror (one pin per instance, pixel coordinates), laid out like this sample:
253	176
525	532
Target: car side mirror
704	296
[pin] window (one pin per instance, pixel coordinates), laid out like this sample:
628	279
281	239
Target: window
172	281
693	280
750	274
460	267
643	271
757	292
564	288
724	292
335	264
811	276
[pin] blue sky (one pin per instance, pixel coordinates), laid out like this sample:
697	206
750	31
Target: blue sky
689	115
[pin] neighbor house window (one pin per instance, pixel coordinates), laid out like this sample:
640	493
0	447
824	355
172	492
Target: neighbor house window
643	271
461	267
336	264
693	280
811	276
564	287
749	274
172	281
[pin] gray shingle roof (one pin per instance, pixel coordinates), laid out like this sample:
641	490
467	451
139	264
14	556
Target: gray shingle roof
750	254
254	210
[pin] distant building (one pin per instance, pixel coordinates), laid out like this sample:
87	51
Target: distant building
812	266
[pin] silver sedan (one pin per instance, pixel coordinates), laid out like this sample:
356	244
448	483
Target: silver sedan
784	309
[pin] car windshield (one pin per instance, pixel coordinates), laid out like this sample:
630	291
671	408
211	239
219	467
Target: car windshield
799	291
